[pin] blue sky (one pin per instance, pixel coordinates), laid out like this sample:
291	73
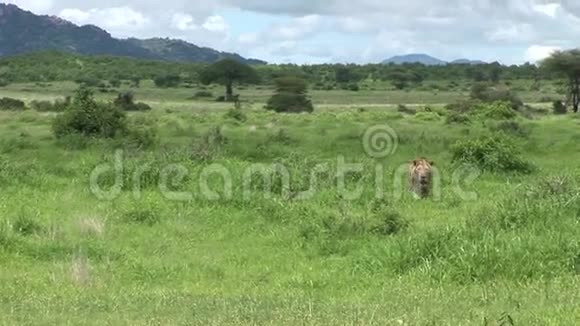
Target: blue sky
316	31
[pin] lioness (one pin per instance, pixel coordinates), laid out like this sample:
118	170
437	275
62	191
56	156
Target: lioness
421	177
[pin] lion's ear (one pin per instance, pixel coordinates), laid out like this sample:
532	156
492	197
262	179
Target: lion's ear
415	162
431	163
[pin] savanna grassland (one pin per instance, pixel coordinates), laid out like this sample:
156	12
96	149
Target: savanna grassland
502	248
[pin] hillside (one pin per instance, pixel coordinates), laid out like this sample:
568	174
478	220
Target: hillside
24	32
415	58
427	60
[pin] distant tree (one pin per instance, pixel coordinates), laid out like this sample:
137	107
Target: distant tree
291	96
167	81
135	81
567	63
115	83
345	75
227	72
399	79
495	73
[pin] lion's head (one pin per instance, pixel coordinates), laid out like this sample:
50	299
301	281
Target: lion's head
421	176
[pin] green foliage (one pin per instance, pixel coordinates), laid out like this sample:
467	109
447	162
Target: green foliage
428	116
405	109
558	107
490	93
457	118
4	82
496	111
290	97
236	114
227	72
512	128
10	104
142	133
203	94
87	117
47	106
491	153
126	102
167	81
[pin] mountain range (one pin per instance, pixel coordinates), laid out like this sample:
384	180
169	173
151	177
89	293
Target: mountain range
427	60
23	32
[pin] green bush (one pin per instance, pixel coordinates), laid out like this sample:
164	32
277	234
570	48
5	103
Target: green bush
491	153
290	96
47	106
513	128
490	93
354	87
458	118
126	102
10	104
405	109
428	116
4	82
141	133
559	108
87	117
236	114
496	111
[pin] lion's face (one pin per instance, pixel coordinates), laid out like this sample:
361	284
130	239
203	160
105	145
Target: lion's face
421	175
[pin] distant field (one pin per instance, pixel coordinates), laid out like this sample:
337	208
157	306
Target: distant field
182	97
511	253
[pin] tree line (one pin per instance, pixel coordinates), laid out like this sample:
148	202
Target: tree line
52	66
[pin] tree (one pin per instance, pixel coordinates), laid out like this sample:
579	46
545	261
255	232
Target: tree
567	63
227	72
291	96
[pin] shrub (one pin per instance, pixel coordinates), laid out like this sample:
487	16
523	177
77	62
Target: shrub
354	87
220	99
497	111
168	81
126	102
496	154
88	81
87	117
209	144
458	118
546	99
47	106
3	82
463	106
10	104
405	109
204	94
512	128
559	108
236	114
141	133
489	93
428	116
290	96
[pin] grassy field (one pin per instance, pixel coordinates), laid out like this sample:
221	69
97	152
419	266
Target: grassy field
507	255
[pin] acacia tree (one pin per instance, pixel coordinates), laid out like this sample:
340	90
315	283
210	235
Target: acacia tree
567	63
227	72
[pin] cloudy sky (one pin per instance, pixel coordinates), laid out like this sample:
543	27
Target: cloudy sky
314	31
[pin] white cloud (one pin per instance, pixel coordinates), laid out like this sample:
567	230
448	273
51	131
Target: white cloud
119	18
537	53
216	24
183	22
